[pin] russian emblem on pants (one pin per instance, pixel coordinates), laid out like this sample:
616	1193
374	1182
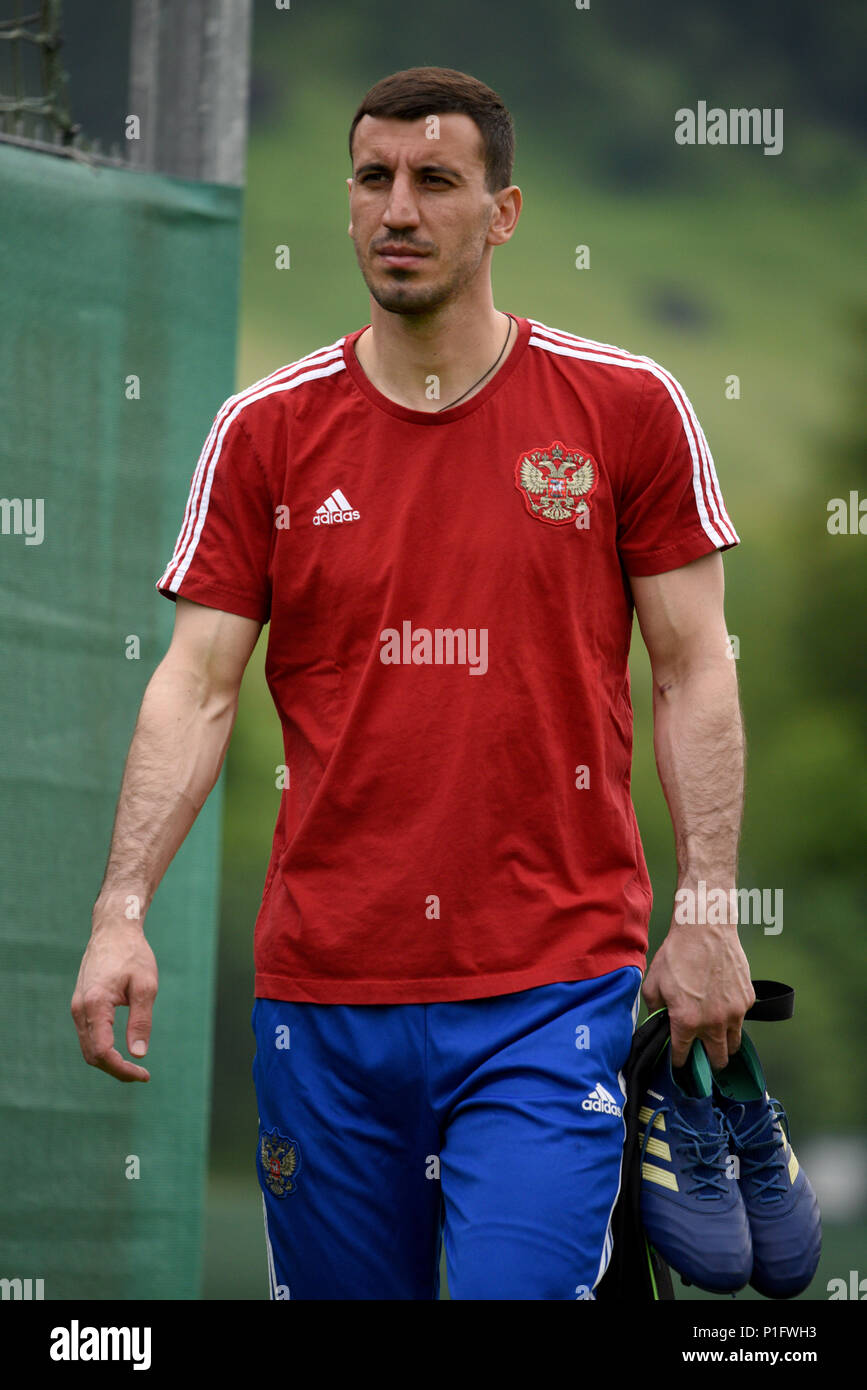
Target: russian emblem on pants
280	1158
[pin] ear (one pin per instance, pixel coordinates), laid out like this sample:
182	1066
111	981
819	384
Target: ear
349	191
505	218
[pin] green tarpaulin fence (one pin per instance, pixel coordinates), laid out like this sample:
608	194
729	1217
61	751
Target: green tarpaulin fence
118	302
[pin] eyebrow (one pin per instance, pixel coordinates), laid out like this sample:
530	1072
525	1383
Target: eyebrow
377	166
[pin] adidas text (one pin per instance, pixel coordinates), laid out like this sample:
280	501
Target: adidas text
602	1102
335	510
334	518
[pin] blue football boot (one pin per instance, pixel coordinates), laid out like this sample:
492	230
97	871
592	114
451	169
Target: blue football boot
691	1206
784	1218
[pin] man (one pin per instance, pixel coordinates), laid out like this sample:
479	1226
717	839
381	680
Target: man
447	516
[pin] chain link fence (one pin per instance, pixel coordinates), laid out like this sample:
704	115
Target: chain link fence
34	96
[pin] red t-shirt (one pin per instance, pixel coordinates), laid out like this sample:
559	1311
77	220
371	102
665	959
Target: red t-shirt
450	625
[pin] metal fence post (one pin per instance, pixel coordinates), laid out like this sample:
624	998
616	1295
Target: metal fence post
189	80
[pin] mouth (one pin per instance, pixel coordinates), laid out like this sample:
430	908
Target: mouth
400	257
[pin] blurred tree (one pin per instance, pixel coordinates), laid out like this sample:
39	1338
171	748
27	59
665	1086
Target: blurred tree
606	81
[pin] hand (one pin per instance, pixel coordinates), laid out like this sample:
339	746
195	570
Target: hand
118	967
701	975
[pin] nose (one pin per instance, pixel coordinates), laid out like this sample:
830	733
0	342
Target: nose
401	210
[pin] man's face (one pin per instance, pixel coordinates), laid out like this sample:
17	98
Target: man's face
420	213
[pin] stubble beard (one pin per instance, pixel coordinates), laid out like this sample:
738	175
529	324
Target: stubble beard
395	291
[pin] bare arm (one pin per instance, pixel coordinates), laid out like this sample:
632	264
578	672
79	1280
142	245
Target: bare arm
180	740
700	972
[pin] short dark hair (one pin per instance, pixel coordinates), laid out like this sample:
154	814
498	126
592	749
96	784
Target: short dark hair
418	92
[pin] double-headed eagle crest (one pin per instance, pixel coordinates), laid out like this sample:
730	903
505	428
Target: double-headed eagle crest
280	1159
556	481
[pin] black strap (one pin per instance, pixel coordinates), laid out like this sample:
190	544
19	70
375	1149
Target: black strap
773	1001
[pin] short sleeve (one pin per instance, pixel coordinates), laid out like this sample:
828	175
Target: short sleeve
223	549
671	505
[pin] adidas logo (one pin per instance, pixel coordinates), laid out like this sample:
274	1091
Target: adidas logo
601	1100
335	510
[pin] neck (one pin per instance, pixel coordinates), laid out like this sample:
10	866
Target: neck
457	345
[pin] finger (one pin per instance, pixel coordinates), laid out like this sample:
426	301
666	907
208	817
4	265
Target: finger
102	1053
117	1066
81	1028
715	1045
682	1039
99	1025
733	1039
651	995
84	1011
138	1028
